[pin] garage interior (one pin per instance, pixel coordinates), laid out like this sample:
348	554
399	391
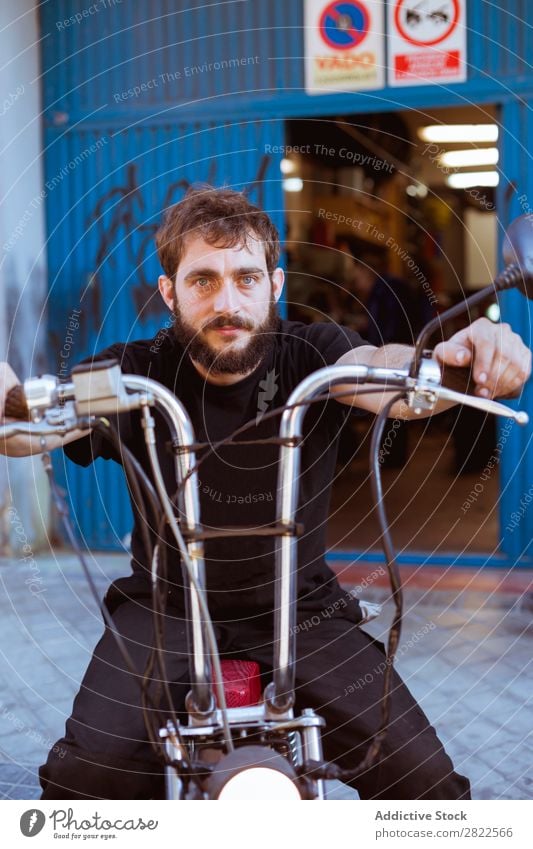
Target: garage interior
387	227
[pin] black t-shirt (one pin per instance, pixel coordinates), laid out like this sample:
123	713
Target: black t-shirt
237	483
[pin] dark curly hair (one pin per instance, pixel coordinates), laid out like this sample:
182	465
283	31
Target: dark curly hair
223	217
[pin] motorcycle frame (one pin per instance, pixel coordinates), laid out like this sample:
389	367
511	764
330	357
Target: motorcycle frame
273	718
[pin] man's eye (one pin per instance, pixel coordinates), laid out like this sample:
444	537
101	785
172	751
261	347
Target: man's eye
248	280
203	282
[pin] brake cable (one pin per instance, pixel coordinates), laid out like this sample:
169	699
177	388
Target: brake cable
135	472
325	770
330	770
394	631
63	512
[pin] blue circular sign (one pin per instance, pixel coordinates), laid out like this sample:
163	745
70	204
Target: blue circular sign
344	25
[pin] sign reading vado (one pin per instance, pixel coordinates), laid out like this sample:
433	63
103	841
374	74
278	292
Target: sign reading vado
344	45
427	41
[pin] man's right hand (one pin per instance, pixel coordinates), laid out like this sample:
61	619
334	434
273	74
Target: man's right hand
8	379
22	445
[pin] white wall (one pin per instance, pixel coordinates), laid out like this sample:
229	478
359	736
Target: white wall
481	240
22	255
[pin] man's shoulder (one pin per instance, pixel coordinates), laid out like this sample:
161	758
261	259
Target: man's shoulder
293	331
319	333
138	355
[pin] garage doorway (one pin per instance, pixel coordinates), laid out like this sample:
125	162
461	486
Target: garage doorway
386	228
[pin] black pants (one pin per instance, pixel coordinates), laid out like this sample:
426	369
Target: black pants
105	753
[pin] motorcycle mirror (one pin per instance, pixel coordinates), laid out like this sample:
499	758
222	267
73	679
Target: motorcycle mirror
518	273
518	255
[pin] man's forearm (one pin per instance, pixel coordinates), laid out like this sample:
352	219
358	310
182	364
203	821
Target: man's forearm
25	446
388	356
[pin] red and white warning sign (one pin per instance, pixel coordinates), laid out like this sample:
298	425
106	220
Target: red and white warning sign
344	45
427	41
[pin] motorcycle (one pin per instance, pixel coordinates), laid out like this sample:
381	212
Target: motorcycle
239	742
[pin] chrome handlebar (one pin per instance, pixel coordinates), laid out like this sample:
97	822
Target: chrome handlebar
58	408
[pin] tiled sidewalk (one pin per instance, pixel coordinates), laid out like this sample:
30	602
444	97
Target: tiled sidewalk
466	656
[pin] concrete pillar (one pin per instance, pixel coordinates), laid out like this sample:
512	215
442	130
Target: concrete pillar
24	502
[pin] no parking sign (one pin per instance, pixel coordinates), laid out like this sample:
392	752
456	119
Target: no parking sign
427	41
344	45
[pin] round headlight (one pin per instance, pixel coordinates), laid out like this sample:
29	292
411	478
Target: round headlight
253	773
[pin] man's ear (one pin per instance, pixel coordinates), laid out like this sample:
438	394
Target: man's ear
166	287
278	278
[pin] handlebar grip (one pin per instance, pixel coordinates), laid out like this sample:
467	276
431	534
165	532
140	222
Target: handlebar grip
16	406
458	378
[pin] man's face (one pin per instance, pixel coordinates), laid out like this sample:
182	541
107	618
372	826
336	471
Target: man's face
224	303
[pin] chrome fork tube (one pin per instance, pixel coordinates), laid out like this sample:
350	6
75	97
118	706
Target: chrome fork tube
285	600
189	514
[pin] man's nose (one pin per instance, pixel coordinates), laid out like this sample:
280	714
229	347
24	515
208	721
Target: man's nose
225	299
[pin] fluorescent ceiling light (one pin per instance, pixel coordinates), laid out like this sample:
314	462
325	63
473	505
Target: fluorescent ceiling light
469	158
493	312
417	190
473	178
293	184
442	133
287	166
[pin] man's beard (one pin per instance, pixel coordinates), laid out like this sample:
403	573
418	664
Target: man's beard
230	361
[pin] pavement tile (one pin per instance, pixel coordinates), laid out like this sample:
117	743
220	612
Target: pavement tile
22	791
14	772
18	782
502	789
510	759
479	774
470	672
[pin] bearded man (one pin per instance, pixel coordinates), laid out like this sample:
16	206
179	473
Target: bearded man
229	357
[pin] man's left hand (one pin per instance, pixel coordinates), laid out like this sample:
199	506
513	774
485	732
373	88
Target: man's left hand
499	360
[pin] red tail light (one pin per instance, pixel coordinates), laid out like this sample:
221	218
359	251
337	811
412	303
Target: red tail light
242	682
